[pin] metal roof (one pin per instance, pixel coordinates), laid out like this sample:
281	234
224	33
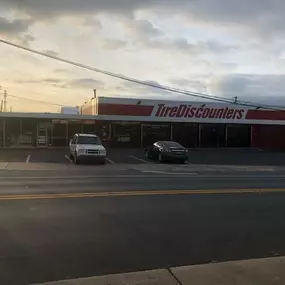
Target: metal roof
47	116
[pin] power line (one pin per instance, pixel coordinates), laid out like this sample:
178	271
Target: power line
34	100
146	83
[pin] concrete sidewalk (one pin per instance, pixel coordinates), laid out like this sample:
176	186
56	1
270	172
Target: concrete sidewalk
267	271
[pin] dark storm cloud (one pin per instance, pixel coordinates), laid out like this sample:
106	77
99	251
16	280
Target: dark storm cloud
262	14
14	27
266	88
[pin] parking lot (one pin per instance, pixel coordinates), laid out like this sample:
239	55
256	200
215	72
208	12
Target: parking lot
136	156
61	156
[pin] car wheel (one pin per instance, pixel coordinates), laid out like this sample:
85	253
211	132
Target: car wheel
160	158
103	162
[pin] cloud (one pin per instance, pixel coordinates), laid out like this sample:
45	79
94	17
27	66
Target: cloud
183	45
54	82
88	83
14	27
25	40
142	28
61	70
111	44
92	22
132	87
262	18
35	81
50	52
190	84
267	88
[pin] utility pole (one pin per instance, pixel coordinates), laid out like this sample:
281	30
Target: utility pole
1	109
235	98
11	109
5	101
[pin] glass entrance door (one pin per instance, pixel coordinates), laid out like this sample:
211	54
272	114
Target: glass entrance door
43	135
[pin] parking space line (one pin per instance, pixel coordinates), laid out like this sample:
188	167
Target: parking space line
68	158
139	159
28	158
109	160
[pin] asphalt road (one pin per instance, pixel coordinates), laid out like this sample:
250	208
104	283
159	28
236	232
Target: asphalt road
51	230
136	156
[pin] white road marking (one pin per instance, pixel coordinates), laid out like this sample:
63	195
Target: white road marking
28	158
109	160
84	177
172	173
139	159
68	158
186	164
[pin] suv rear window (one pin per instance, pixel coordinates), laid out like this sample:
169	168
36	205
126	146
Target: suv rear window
88	140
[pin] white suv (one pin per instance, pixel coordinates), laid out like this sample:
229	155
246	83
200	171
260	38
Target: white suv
87	147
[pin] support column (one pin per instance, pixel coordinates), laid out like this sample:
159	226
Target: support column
199	135
110	132
66	135
226	136
171	132
4	133
141	135
251	136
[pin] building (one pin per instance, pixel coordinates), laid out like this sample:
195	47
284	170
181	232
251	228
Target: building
69	110
123	122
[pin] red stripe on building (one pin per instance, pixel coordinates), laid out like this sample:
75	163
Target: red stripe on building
265	115
124	110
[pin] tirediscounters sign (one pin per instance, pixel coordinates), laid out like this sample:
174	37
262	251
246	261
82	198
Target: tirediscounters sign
199	112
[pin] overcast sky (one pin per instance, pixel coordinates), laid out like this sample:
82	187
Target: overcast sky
222	47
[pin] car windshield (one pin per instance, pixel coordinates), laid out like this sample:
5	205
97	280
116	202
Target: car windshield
88	140
172	144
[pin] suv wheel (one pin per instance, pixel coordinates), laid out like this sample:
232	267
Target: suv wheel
160	158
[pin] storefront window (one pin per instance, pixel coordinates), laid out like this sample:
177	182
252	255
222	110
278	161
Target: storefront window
59	133
13	132
212	135
102	129
238	135
74	127
126	134
155	132
88	127
186	134
29	132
